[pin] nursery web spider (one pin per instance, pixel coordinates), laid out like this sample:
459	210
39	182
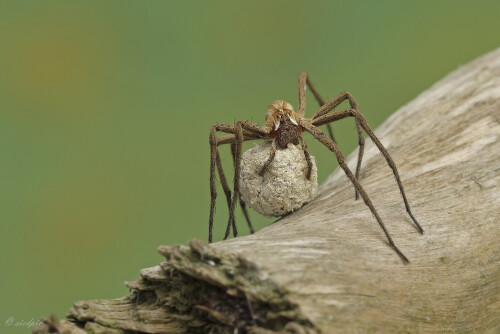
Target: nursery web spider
283	126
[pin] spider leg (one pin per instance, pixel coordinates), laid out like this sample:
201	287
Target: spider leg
272	153
261	132
321	137
214	142
237	167
334	116
250	129
231	139
213	189
301	85
329	106
391	164
255	129
242	203
223	182
307	156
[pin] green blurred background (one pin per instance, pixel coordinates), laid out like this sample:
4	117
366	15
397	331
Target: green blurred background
106	106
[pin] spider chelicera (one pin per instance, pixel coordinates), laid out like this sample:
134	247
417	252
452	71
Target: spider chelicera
284	126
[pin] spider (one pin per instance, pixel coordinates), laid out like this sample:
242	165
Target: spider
283	126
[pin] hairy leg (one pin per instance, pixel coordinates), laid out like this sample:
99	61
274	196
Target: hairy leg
329	106
304	81
391	164
242	203
321	137
272	153
307	156
236	184
223	181
234	136
231	139
334	116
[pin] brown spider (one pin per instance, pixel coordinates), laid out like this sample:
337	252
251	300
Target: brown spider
283	126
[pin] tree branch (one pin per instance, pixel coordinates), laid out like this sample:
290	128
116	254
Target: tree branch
327	268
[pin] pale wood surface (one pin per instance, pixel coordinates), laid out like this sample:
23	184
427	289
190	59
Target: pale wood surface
327	268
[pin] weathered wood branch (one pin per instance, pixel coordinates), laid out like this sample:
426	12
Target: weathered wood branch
327	268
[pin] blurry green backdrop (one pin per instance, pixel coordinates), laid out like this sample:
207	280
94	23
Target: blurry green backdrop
105	110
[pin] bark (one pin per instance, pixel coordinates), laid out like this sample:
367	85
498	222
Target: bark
327	268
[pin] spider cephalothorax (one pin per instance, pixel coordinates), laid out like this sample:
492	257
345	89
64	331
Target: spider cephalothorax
285	126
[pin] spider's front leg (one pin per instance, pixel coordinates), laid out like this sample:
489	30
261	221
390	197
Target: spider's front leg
391	164
321	137
329	106
337	115
302	83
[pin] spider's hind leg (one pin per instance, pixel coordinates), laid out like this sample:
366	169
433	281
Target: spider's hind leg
235	135
237	167
241	131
